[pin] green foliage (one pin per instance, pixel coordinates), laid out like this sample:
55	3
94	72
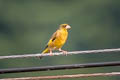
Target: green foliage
26	26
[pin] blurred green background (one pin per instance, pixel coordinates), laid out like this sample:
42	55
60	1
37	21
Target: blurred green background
26	26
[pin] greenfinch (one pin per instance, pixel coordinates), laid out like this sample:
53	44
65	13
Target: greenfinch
57	40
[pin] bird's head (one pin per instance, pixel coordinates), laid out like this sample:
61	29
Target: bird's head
65	26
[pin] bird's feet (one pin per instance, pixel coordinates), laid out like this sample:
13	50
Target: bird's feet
64	52
51	54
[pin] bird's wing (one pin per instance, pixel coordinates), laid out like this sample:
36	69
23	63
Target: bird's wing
52	39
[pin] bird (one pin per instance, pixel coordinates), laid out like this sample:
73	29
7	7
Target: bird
57	40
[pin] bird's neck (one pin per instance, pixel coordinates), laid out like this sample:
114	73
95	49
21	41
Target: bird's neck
63	29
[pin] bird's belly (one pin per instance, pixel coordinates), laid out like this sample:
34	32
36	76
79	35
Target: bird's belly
58	43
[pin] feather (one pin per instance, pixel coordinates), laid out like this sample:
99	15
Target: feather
58	39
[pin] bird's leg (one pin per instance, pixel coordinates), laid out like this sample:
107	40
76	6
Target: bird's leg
64	52
51	54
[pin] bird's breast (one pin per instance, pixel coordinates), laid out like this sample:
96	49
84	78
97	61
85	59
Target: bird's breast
61	39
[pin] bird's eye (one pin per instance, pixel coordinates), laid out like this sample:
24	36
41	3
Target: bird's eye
64	26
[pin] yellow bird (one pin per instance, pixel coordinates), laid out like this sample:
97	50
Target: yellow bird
57	40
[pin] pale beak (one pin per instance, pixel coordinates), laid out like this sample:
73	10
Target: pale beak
68	27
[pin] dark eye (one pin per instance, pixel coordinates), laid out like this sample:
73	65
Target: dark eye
64	26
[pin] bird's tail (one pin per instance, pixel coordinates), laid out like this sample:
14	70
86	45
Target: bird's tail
45	51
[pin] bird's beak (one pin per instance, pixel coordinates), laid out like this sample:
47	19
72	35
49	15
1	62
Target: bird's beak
68	27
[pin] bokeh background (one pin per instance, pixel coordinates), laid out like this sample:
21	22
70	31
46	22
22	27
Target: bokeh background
26	26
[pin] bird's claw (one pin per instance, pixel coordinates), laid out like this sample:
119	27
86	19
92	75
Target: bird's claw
51	54
65	52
